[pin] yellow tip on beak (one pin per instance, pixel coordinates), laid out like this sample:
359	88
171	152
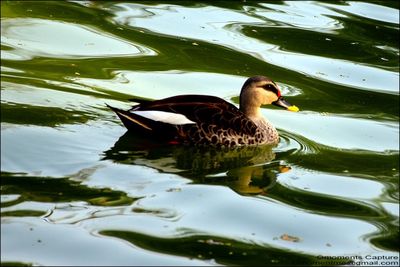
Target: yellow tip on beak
293	108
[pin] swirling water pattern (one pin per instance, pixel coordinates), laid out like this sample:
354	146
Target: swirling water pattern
77	190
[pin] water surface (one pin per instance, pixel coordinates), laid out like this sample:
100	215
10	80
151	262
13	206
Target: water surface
76	189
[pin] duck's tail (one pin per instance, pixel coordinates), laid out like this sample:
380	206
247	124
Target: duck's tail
139	124
133	121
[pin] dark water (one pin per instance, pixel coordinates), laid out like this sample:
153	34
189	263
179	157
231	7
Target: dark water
77	190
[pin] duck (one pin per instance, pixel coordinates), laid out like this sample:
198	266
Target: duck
204	120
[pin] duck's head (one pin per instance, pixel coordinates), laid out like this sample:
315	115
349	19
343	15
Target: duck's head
260	90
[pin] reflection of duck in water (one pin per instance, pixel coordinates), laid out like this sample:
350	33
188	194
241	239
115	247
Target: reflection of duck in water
246	169
209	120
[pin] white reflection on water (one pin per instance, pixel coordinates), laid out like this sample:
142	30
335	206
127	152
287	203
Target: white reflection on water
72	148
224	27
40	37
367	10
45	97
333	185
161	84
202	209
61	244
301	15
338	131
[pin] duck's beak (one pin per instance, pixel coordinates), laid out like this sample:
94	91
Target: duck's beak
284	104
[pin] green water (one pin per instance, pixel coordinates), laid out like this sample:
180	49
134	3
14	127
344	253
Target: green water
77	190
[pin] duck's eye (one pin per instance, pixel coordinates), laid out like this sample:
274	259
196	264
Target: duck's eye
269	87
272	88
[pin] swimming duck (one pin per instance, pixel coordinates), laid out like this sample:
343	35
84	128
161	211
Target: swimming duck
209	120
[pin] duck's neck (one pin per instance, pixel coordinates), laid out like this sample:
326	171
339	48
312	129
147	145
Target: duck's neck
253	112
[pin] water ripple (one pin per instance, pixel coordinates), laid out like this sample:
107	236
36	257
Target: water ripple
229	34
301	15
367	10
38	37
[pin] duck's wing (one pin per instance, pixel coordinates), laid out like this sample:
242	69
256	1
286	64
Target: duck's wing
202	110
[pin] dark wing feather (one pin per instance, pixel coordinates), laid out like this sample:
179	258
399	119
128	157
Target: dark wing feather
203	110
